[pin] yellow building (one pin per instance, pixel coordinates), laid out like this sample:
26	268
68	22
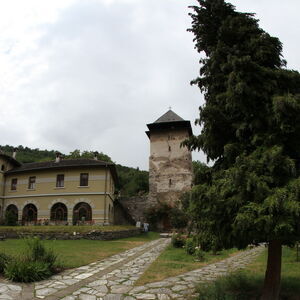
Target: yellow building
69	191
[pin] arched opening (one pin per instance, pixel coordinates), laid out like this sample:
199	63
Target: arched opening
82	212
59	212
11	215
29	213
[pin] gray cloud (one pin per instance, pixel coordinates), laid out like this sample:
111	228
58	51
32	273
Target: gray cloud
101	72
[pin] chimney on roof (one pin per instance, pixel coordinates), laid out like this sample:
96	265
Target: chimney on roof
96	155
58	157
14	155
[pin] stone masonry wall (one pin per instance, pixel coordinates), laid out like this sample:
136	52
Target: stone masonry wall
170	166
133	206
92	235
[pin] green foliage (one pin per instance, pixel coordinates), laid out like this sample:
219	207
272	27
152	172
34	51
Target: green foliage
250	130
132	181
88	154
178	218
247	283
4	260
178	241
37	263
190	246
38	252
10	219
202	172
199	254
21	270
236	286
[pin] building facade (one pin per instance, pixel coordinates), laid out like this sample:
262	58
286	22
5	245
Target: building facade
170	164
70	191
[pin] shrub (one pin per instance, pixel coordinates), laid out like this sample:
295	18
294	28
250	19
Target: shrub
178	241
236	286
199	254
21	270
178	218
190	246
36	264
4	259
38	252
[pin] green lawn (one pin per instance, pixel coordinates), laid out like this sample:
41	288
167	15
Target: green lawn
62	229
174	261
247	284
76	253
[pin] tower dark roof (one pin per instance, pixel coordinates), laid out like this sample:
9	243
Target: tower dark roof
169	116
169	120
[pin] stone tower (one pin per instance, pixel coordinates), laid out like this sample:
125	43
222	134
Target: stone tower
170	165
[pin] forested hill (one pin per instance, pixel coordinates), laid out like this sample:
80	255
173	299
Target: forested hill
131	181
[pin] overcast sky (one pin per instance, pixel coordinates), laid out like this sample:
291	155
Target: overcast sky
91	74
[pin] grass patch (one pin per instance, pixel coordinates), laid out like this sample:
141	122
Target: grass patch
174	261
77	253
247	284
61	229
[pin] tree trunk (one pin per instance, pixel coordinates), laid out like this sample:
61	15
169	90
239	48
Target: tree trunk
271	287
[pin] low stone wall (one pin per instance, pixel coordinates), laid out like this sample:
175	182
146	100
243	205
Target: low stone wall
92	235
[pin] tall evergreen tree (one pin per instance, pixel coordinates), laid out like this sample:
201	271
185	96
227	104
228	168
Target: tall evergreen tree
251	131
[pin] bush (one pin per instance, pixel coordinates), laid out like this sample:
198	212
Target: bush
22	270
38	252
236	286
178	241
36	264
178	218
4	259
190	246
199	254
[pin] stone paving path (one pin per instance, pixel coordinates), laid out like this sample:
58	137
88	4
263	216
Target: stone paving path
183	286
113	278
10	291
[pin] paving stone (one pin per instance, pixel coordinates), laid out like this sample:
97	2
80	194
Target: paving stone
101	288
120	289
45	292
159	291
68	298
146	296
3	289
98	282
6	297
14	287
178	288
83	276
69	281
87	297
113	297
163	297
138	289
